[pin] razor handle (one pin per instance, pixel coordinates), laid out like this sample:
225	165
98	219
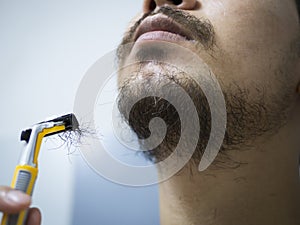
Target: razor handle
23	180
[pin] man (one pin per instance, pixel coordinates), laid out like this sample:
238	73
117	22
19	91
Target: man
252	48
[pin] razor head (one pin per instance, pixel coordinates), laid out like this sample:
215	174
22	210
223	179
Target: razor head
69	121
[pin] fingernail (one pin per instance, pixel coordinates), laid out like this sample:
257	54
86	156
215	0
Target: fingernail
17	197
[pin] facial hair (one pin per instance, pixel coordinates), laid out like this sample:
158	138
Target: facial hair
248	117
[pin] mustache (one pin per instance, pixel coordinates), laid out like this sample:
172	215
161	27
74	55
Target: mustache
201	29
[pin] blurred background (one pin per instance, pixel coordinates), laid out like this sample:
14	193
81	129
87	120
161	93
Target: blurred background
45	49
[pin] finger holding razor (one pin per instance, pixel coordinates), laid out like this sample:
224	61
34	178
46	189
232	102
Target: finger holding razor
14	201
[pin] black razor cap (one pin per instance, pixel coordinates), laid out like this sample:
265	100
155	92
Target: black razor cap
25	135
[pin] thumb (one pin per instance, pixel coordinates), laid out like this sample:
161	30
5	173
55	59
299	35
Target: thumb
34	217
13	201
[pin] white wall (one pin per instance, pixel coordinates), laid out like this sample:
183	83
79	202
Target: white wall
45	49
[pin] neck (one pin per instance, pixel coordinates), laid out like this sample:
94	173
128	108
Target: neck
263	190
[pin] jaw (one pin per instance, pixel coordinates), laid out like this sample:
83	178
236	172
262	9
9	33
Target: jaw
263	189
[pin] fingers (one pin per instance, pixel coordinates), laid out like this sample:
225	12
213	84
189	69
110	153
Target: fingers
13	201
34	217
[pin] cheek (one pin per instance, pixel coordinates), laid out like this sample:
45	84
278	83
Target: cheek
252	38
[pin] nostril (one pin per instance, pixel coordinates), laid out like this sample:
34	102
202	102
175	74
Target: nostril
149	6
152	5
177	2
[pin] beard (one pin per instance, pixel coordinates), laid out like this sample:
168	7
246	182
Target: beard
247	117
252	111
138	112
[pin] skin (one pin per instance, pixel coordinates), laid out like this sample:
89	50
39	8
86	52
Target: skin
255	46
265	189
12	201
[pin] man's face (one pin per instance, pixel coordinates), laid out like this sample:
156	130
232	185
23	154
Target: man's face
252	47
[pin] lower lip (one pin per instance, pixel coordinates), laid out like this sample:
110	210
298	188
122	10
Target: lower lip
161	36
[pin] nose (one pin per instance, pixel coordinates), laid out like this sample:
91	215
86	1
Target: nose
150	5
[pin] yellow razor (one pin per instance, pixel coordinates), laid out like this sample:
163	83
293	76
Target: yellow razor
26	171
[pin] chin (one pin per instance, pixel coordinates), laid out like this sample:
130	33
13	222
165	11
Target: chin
151	90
